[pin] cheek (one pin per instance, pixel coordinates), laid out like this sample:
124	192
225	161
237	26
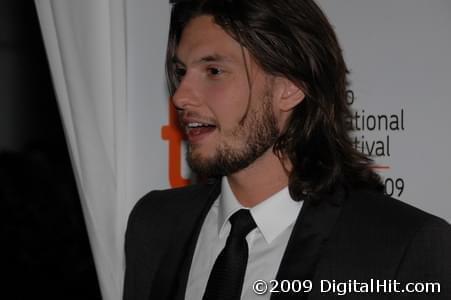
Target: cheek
227	104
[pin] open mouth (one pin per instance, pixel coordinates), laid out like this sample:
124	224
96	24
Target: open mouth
196	130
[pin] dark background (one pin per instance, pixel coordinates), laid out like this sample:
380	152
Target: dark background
45	248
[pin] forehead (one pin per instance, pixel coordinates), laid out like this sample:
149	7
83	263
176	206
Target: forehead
202	37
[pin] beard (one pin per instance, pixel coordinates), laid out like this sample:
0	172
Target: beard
256	133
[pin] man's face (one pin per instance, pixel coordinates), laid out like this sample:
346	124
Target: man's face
225	101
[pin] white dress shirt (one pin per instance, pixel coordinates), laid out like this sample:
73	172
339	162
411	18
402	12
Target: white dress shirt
275	219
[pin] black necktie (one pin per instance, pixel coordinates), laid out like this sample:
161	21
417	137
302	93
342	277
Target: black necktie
227	275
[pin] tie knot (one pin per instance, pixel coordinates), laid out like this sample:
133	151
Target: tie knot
242	223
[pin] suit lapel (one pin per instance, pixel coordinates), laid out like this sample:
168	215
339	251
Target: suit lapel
172	275
312	229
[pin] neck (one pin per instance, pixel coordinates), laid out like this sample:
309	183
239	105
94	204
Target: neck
263	178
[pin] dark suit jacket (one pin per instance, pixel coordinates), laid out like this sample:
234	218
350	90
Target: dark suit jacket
347	235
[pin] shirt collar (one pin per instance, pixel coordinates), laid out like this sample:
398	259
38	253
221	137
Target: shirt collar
272	215
228	204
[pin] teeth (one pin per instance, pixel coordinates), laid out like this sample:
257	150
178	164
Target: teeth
194	125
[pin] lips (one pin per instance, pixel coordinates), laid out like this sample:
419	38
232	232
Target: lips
196	130
195	134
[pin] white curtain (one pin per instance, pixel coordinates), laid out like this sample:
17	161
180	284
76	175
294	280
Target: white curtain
85	42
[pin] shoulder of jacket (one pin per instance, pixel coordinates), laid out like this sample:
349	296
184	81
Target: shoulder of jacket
160	202
374	232
382	209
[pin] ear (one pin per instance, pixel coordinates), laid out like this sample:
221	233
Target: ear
289	94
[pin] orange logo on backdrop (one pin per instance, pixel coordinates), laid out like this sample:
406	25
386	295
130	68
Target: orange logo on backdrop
172	134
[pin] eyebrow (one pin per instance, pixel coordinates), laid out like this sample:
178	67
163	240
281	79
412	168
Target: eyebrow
204	59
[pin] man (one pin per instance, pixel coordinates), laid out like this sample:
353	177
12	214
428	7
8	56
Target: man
260	87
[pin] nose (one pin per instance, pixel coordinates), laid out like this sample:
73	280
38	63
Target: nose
185	95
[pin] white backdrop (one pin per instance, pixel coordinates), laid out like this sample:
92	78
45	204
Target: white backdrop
107	60
398	53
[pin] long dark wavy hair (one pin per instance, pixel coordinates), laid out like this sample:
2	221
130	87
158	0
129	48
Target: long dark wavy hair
293	39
